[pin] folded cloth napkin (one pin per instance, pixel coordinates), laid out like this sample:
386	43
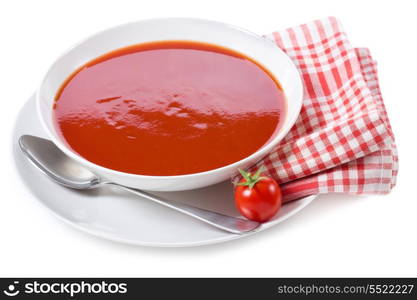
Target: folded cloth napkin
342	141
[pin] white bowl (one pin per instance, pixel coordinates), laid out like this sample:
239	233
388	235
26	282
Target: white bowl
258	48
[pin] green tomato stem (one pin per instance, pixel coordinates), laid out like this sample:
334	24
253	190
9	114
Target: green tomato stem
251	180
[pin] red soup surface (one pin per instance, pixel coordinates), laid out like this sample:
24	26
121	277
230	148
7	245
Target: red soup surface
168	108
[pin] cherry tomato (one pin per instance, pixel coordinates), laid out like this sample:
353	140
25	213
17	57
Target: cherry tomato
257	197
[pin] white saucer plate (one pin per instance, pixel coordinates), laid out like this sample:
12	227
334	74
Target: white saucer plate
122	217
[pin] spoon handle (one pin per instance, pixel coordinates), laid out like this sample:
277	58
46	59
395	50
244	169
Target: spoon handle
227	223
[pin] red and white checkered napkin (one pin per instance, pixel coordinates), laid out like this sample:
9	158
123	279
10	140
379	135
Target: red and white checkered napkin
342	142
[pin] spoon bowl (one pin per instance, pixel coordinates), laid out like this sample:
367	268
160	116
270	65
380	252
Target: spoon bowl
54	163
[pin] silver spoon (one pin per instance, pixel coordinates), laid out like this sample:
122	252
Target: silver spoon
65	171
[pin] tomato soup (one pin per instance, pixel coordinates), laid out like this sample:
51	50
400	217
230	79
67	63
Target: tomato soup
168	108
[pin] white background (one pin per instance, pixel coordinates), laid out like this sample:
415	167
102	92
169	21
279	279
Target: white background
334	236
